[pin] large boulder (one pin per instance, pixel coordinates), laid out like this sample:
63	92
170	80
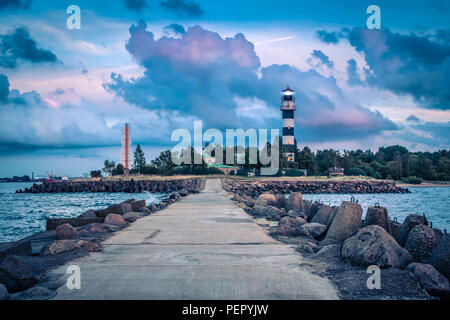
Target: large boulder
314	229
273	213
89	246
294	202
440	259
93	229
329	252
373	245
4	295
266	199
422	241
378	216
19	273
66	231
322	215
137	205
395	229
90	214
431	279
59	246
346	222
315	206
19	248
410	222
115	220
146	211
288	226
307	209
120	208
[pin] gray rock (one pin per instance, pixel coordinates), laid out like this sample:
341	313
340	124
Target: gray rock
288	226
440	259
35	293
273	213
395	229
329	252
378	216
422	241
89	246
20	273
433	281
295	202
66	231
322	215
315	206
307	209
346	222
115	220
59	246
137	205
93	229
316	230
18	248
266	199
373	245
410	222
145	210
90	214
4	295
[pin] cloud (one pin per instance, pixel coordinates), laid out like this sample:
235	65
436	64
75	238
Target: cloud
15	4
406	64
323	58
183	7
16	46
431	134
175	28
413	118
208	77
136	5
329	37
352	73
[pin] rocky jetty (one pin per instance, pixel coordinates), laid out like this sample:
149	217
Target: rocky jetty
414	256
254	188
183	186
24	264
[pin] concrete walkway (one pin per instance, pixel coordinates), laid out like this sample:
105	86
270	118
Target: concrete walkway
202	247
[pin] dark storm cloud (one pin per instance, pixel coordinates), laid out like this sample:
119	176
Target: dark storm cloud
323	58
413	118
201	75
175	28
406	64
432	134
329	37
352	73
15	4
4	88
183	7
136	5
16	45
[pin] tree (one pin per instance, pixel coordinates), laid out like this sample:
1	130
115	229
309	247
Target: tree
118	170
109	167
164	162
139	159
96	173
306	161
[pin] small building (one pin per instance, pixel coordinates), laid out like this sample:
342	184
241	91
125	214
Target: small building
333	172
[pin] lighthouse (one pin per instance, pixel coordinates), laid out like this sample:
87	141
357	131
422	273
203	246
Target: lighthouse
126	148
288	108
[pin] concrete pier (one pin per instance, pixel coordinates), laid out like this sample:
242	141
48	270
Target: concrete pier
202	247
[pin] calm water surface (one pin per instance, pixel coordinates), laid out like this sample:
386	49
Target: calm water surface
23	214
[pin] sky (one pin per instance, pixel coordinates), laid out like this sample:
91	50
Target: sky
163	64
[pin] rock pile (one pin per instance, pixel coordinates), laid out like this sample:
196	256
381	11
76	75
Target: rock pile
183	186
340	233
254	188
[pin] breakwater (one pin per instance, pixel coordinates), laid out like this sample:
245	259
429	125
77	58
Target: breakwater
184	186
254	188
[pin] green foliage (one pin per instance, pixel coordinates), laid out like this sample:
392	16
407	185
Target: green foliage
355	172
139	159
412	180
118	170
108	167
96	173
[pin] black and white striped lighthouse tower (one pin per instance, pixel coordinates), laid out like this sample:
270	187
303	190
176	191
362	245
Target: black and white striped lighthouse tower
288	108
